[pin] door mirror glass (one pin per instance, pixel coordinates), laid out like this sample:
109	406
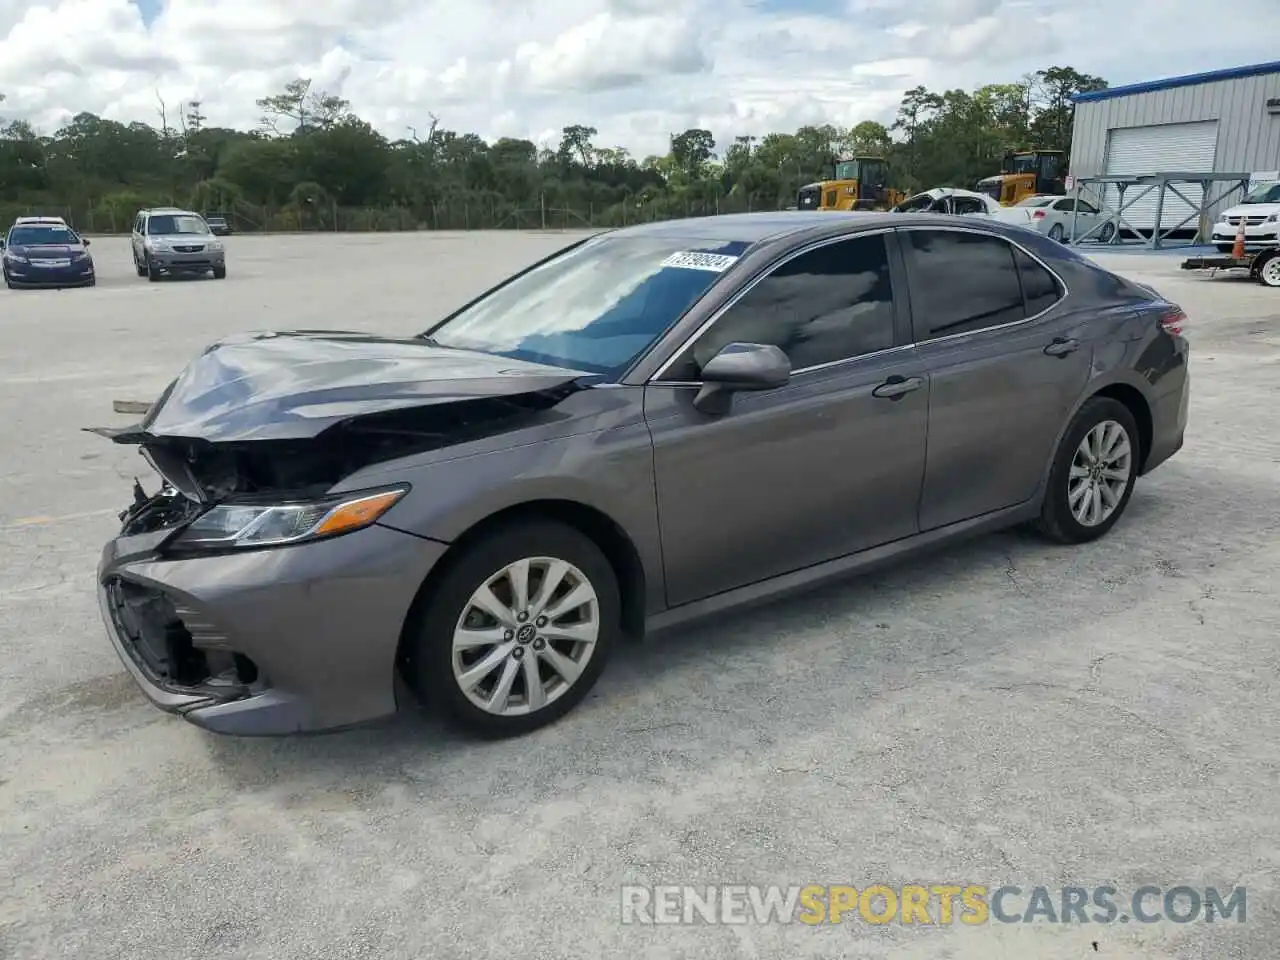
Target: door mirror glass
741	366
87	241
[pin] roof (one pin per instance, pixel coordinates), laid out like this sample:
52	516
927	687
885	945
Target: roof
745	227
1171	83
23	220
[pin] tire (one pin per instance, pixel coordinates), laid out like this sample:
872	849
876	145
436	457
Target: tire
429	660
1056	233
1057	520
152	273
219	273
1268	270
139	269
1107	233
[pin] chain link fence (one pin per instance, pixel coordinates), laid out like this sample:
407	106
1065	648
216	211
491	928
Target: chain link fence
471	213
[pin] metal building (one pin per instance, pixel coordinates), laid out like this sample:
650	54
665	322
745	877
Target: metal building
1226	121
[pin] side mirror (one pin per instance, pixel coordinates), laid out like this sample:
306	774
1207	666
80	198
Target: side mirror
1	244
87	242
737	367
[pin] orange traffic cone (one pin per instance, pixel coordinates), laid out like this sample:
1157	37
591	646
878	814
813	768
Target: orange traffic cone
1237	249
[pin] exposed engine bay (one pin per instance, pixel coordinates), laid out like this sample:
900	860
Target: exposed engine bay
199	473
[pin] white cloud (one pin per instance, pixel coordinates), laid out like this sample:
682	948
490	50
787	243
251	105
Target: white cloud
636	70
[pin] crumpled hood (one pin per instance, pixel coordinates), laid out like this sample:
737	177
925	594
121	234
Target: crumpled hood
59	251
274	386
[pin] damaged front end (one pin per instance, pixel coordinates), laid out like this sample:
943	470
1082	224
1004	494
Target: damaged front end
249	443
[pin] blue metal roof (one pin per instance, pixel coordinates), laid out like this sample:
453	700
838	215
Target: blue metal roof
1191	79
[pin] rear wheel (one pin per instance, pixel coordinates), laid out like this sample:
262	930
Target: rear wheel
517	631
1268	269
1093	473
1056	233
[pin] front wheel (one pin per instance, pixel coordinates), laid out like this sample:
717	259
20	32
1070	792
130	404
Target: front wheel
517	631
1107	233
1093	473
220	273
153	272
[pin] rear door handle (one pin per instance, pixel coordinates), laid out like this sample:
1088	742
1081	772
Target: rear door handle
896	387
1061	346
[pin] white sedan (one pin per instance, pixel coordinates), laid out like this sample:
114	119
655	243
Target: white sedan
1052	216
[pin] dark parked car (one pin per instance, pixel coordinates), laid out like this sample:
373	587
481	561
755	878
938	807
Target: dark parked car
219	226
45	252
654	424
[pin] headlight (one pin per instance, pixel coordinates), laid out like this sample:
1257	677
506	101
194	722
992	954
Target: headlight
1274	218
231	526
215	245
158	244
14	258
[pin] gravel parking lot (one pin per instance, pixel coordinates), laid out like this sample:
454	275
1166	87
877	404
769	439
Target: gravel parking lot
1005	712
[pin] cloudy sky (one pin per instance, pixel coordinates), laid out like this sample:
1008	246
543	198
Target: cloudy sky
637	70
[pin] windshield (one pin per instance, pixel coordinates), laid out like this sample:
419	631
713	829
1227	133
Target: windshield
167	224
1025	164
847	170
1035	202
1264	193
40	236
596	307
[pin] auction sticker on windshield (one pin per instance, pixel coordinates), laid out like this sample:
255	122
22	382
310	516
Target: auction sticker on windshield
694	260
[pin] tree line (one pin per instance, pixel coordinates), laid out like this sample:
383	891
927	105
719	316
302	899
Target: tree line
311	163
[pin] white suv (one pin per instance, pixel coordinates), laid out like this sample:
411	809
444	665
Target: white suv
1261	213
173	242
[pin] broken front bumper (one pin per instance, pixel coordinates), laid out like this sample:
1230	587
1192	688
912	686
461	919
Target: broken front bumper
265	642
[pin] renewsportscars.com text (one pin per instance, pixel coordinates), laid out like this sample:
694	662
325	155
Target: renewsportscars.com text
934	904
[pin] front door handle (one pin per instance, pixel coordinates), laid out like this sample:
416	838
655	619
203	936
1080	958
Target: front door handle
1061	346
896	387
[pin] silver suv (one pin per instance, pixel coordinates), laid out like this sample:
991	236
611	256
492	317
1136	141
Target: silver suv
168	242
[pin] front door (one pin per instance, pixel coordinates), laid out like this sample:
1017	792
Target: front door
814	470
1006	360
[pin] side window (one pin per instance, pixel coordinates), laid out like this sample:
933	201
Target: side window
1085	207
1040	288
966	205
960	282
1067	206
832	303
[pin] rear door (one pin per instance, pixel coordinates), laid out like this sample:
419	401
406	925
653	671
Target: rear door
1007	359
825	466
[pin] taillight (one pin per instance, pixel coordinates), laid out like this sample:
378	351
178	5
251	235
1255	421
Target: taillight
1038	215
1173	321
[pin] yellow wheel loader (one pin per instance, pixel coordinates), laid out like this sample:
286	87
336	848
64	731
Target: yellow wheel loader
1026	173
857	183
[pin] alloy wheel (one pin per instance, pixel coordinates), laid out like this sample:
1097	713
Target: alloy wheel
1100	473
525	636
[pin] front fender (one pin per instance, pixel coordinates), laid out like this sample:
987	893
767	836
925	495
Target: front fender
609	471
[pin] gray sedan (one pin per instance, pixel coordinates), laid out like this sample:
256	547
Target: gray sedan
653	425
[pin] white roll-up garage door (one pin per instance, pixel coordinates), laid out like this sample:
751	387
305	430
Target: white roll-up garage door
1165	148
